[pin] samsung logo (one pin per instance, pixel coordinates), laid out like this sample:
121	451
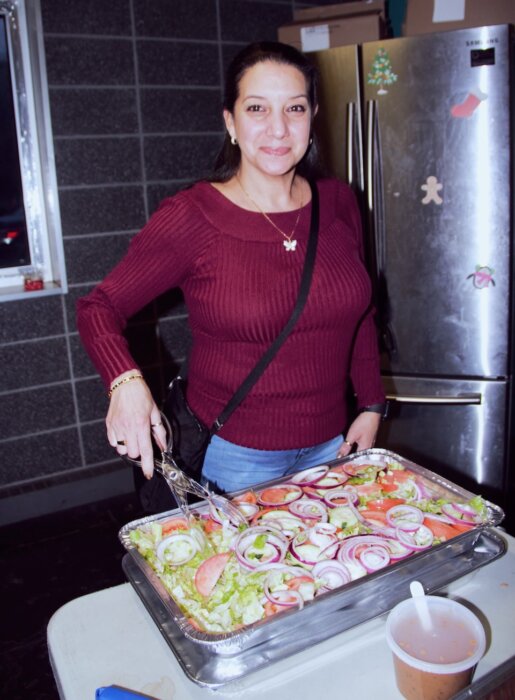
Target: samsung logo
481	42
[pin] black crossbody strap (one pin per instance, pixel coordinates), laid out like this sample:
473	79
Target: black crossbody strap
305	283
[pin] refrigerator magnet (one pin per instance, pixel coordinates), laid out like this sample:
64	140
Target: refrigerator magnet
431	188
482	277
381	73
468	106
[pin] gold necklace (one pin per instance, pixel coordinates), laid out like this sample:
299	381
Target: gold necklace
289	242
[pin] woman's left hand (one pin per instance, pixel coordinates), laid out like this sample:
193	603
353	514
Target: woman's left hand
362	433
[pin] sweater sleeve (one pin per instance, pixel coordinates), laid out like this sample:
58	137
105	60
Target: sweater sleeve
365	370
159	257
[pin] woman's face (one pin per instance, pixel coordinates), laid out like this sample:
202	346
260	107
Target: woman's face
271	119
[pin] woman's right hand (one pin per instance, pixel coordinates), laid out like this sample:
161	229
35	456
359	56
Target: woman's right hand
132	417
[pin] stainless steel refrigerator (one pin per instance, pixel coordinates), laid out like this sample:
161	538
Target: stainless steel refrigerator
422	129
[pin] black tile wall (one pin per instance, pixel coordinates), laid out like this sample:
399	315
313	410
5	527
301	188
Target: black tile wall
179	157
94	161
42	408
77	61
102	209
184	19
169	110
177	63
30	318
92	258
135	90
34	362
158	191
92	400
92	17
96	447
94	111
35	456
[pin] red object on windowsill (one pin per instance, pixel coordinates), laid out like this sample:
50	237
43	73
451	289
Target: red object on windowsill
32	284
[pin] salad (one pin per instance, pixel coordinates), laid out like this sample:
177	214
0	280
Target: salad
324	527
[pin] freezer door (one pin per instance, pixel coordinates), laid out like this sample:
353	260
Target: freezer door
456	429
439	189
338	123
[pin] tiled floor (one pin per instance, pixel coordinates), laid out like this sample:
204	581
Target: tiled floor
45	563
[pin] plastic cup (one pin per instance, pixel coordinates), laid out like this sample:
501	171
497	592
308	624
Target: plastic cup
436	662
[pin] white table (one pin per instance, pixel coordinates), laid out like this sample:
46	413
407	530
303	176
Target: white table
108	638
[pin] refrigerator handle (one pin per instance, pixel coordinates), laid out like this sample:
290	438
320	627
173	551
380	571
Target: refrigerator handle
461	399
351	114
377	232
371	116
354	150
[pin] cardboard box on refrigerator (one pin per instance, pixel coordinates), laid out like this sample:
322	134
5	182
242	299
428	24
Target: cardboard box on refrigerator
341	9
427	16
318	28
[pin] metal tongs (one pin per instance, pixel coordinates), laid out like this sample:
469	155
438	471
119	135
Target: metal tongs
181	484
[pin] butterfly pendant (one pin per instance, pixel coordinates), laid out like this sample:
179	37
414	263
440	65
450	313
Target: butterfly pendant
290	245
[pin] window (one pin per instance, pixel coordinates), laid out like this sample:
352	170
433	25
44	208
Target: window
31	251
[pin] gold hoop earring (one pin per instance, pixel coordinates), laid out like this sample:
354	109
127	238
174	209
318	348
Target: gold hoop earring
234	141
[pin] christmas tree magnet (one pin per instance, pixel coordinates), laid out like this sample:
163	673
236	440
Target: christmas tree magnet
381	73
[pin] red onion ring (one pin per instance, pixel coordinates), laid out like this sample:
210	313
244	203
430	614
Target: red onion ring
333	573
287	599
348	496
331	480
309	476
411	538
362	470
404	512
352	553
309	509
177	537
245	541
467	515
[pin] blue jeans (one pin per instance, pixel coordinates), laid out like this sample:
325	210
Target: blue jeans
231	467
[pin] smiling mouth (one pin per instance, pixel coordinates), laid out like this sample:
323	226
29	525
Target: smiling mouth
280	151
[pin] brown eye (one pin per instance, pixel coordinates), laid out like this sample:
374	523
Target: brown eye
300	109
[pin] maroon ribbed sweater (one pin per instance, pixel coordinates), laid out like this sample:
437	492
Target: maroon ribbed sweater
240	286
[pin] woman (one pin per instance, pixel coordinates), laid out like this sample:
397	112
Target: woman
236	247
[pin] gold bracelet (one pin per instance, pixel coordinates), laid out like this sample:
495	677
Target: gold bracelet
123	381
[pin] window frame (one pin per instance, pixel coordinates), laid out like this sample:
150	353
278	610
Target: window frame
36	155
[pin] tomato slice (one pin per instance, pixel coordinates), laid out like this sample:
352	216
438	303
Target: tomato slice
271	608
384	504
174	524
369	489
445	531
247	497
211	525
295	582
277	494
377	517
209	572
397	476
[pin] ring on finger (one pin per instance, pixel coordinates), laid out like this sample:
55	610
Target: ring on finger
348	443
155	425
120	442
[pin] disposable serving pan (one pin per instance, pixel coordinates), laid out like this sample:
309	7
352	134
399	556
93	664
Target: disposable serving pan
344	607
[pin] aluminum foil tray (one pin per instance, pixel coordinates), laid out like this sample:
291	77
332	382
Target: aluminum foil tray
342	608
212	670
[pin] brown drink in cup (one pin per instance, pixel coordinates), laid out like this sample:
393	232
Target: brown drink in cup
435	655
